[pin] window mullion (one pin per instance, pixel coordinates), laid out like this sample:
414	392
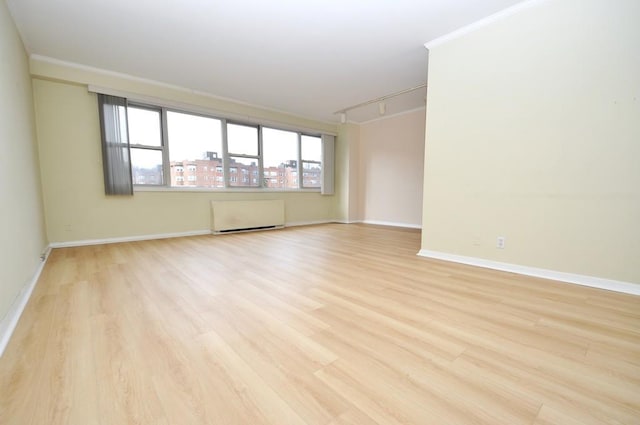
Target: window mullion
299	164
225	155
166	166
260	159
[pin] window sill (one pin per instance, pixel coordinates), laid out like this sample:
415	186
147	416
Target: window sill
222	190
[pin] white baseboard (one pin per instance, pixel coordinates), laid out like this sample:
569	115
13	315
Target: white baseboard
85	242
10	320
392	224
594	282
307	223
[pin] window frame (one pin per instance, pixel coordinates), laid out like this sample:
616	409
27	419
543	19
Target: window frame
229	155
167	141
165	147
264	177
302	161
163	142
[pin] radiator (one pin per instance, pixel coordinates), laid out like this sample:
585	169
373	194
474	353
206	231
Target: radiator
237	216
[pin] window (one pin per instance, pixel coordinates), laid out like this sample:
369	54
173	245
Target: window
196	140
164	147
280	157
311	157
145	136
242	140
243	146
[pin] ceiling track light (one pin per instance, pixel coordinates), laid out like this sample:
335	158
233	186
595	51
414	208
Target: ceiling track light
382	107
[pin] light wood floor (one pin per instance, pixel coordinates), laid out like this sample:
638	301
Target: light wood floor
332	324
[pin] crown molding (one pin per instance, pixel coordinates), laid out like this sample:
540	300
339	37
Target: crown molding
498	16
154	83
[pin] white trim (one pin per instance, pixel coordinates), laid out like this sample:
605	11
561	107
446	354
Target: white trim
109	73
86	242
498	16
128	77
392	224
210	112
10	320
397	114
594	282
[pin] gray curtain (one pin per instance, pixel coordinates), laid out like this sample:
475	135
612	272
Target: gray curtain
116	157
328	157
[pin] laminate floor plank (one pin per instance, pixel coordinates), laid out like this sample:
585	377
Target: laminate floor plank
315	325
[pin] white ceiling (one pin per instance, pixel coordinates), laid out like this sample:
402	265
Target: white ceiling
305	57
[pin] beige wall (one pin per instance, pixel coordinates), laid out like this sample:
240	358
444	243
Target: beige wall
533	133
70	155
76	208
21	218
391	169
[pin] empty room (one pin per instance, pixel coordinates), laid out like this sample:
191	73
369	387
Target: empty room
320	212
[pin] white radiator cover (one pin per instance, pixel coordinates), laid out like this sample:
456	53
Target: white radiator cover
236	216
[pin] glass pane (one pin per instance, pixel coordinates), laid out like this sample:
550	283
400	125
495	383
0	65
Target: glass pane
311	174
311	148
195	150
280	158
242	139
144	126
243	172
146	166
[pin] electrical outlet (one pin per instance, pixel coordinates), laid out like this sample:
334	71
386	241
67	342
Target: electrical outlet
500	242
